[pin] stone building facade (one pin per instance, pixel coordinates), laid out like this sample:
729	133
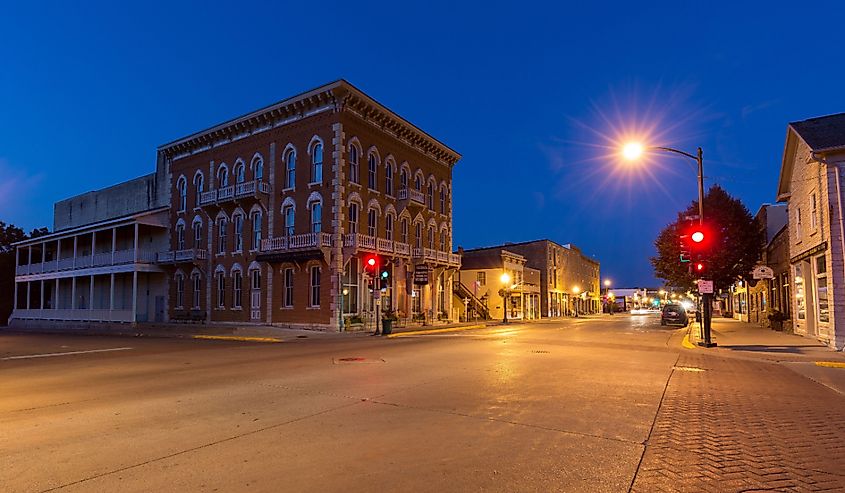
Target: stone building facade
269	216
481	274
811	184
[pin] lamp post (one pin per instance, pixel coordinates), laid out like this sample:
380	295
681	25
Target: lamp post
506	282
634	150
607	296
575	290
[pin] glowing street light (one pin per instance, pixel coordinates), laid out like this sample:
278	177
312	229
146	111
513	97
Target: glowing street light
632	150
506	281
576	290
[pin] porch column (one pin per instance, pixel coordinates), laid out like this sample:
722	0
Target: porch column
135	288
113	247
93	246
29	261
28	294
75	244
41	306
136	243
15	298
111	294
56	303
73	289
91	294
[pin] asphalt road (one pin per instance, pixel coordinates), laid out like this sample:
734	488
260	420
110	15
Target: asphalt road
551	406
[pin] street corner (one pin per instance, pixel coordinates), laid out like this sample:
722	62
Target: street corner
444	330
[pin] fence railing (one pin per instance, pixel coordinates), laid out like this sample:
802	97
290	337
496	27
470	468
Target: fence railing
103	259
89	315
296	242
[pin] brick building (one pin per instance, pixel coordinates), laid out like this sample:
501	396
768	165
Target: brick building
764	296
481	275
569	280
269	215
811	184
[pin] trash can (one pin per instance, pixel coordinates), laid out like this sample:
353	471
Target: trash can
386	326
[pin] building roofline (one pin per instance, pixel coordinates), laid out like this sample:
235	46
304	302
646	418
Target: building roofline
98	224
341	94
505	246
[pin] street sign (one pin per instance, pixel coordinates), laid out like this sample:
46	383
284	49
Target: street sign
705	287
763	272
421	275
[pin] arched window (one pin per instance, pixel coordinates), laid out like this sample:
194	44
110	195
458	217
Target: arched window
256	230
316	217
314	299
388	179
196	284
418	183
237	289
418	233
443	242
431	196
290	166
240	172
443	200
317	163
258	167
404	230
289	213
403	180
372	222
354	175
182	190
197	227
238	221
353	218
221	289
431	235
372	166
222	227
180	236
180	290
222	176
388	227
198	186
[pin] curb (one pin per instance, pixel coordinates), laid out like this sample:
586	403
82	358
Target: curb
435	331
236	338
830	364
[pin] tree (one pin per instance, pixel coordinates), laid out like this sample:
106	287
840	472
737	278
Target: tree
10	234
734	247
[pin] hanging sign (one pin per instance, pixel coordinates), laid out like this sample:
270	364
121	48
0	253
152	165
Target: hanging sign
763	272
421	275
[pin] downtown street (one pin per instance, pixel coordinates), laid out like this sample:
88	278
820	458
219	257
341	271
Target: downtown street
603	403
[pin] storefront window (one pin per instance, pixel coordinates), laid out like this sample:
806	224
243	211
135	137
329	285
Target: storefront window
821	290
800	301
350	287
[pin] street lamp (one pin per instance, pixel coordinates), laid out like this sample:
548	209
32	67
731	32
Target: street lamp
506	282
632	151
607	296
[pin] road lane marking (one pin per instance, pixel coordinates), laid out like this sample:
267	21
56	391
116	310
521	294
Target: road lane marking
435	331
238	338
686	343
66	353
830	364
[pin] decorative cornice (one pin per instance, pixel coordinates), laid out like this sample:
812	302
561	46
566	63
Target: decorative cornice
337	96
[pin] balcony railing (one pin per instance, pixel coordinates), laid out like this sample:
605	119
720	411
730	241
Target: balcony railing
98	315
103	259
297	242
410	193
236	191
188	255
373	244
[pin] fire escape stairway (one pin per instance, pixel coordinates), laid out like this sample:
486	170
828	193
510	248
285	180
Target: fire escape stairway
474	303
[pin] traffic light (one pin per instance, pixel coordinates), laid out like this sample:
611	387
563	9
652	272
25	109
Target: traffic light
384	277
684	248
699	268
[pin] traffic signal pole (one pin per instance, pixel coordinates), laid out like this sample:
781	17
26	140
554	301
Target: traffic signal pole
706	298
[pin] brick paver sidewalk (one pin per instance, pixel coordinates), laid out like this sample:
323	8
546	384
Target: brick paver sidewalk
735	425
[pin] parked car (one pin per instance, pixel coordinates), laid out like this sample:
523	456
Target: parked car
674	314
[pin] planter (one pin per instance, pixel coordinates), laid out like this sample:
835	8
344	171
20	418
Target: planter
386	326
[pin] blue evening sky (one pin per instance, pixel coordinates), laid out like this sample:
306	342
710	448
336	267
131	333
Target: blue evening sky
533	95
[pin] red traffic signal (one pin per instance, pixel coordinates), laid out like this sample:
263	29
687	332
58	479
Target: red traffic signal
699	267
697	236
370	263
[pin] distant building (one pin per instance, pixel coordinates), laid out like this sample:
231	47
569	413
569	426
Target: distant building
569	280
765	296
811	183
262	219
481	273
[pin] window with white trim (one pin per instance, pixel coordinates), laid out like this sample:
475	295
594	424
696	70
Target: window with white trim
353	218
350	287
431	235
198	186
221	290
388	227
197	226
222	176
443	242
237	289
404	230
481	278
372	222
258	167
316	217
418	233
798	223
317	163
430	196
197	285
287	299
315	286
222	226
373	167
418	183
239	232
180	290
288	213
256	230
354	174
814	212
290	166
255	275
388	179
182	189
240	173
403	179
823	305
180	236
443	200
